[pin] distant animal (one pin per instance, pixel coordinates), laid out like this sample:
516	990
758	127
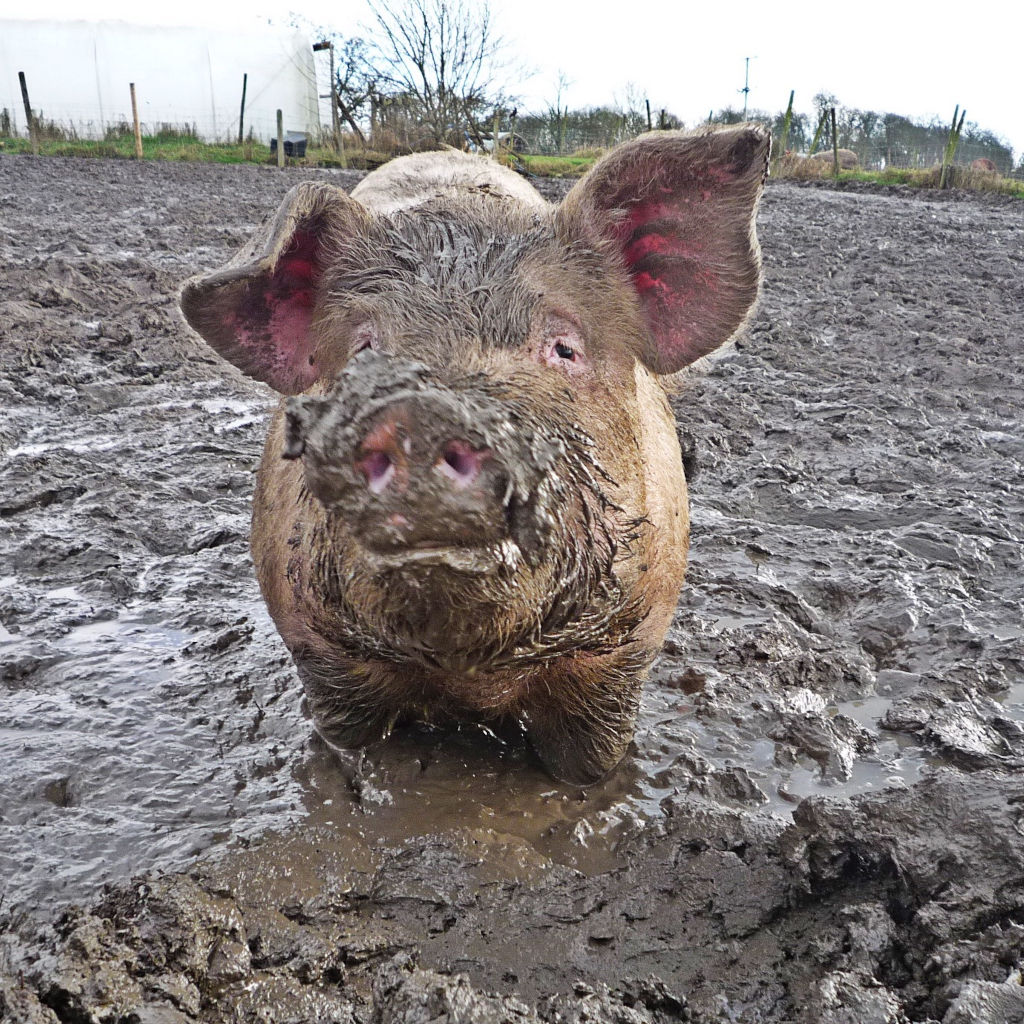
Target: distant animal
983	164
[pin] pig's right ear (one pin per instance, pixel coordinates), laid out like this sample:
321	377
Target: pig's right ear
257	311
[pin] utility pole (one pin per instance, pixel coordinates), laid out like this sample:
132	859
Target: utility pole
746	87
335	121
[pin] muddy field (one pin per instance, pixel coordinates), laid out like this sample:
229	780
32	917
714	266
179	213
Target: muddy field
822	819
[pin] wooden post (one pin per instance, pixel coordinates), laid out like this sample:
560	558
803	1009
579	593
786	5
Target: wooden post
29	119
135	118
784	134
817	133
649	125
835	145
956	139
951	143
494	135
943	172
280	139
241	113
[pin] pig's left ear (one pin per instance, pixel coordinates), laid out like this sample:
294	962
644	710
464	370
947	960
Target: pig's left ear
257	311
678	210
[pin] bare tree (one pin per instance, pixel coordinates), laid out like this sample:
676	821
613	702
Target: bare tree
556	112
354	77
441	57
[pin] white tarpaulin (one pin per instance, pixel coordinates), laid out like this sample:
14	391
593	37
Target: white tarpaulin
78	74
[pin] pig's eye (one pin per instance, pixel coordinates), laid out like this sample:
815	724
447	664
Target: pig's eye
365	336
562	345
564	352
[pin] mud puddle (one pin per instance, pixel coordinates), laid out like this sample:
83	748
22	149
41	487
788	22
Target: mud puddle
821	817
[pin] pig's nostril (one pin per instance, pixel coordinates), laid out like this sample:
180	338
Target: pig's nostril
458	461
378	469
461	463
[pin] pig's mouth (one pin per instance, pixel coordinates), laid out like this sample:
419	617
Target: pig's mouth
479	560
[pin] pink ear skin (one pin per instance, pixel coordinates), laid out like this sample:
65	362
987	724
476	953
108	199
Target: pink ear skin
678	211
258	311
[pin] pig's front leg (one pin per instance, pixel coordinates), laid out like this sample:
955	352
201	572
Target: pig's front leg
344	699
584	713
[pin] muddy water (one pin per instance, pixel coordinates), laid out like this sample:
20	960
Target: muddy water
829	748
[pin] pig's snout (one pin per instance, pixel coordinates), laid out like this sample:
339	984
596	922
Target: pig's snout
387	456
422	475
414	464
423	482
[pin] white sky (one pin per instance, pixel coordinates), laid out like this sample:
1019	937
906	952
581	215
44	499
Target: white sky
912	58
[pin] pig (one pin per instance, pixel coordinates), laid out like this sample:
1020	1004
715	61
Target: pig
471	503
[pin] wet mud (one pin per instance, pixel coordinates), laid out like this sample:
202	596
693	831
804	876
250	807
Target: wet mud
822	818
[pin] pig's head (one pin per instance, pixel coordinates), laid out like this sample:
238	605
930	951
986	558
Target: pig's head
473	393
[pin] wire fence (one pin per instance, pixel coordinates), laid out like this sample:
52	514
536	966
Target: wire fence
905	146
542	135
82	123
871	156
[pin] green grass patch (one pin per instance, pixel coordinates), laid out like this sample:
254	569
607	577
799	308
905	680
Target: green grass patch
558	166
961	177
180	143
921	178
173	145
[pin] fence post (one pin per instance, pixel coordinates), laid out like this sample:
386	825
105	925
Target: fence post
784	135
945	151
241	113
280	139
835	145
135	118
33	135
951	144
817	133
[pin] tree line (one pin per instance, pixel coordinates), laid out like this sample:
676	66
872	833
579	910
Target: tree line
880	139
434	72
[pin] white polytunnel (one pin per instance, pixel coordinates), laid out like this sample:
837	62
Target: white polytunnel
78	75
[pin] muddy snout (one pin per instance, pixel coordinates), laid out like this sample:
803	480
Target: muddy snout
416	440
421	470
411	474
